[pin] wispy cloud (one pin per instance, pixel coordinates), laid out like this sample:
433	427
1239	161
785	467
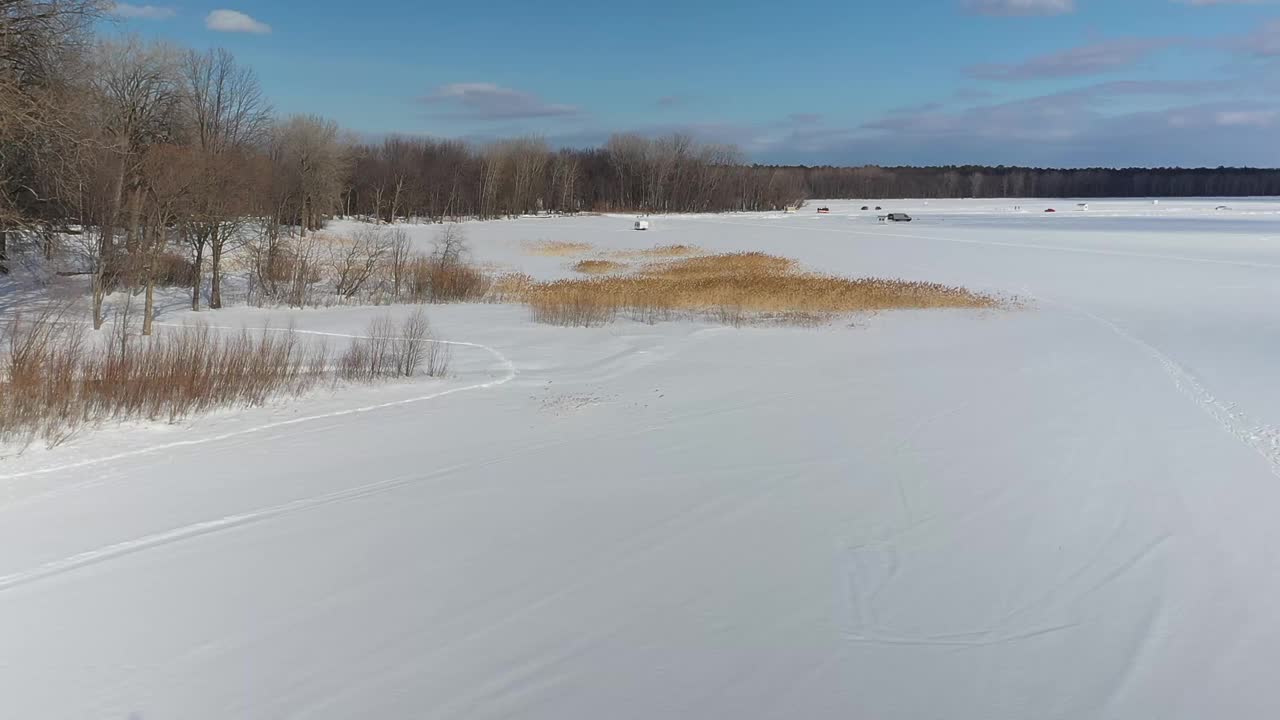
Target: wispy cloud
1093	59
488	101
235	21
1010	8
143	12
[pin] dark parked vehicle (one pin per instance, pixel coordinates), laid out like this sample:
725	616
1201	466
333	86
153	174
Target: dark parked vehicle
899	217
864	207
823	211
879	208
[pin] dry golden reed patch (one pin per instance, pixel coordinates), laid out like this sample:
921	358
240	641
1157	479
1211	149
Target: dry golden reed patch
736	289
711	266
660	251
511	287
599	267
557	248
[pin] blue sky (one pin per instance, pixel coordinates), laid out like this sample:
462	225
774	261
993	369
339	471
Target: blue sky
1037	82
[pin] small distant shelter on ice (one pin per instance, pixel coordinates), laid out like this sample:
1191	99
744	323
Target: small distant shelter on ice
642	224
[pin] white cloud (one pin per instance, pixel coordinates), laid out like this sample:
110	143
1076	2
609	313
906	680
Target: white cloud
143	12
1020	7
235	21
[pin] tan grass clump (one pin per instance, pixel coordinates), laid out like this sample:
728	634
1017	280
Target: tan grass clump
661	251
710	266
511	287
735	289
557	248
599	267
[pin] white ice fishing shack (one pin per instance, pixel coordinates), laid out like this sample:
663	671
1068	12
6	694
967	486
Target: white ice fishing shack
642	224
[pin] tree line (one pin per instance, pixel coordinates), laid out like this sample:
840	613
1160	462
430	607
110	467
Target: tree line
428	178
1001	182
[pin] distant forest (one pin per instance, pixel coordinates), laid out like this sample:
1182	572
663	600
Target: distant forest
441	178
998	182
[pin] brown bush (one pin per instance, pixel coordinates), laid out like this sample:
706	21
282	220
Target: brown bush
54	382
174	270
432	280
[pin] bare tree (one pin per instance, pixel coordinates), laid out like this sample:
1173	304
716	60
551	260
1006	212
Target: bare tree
39	138
493	163
134	88
450	247
316	158
353	263
528	158
399	253
227	117
169	178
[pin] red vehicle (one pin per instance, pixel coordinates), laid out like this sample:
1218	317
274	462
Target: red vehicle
1051	210
824	211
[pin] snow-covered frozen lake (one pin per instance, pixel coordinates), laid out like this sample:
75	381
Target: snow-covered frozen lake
1070	510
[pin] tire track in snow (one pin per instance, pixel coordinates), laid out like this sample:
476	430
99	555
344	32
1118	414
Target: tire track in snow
509	374
1262	439
127	547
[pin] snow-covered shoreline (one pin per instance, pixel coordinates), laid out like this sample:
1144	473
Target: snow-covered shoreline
1064	510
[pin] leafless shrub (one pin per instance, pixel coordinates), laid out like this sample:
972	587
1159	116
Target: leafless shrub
450	246
388	350
353	262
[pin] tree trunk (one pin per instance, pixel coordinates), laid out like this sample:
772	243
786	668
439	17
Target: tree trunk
4	251
135	220
215	271
108	236
106	247
99	292
149	309
195	283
